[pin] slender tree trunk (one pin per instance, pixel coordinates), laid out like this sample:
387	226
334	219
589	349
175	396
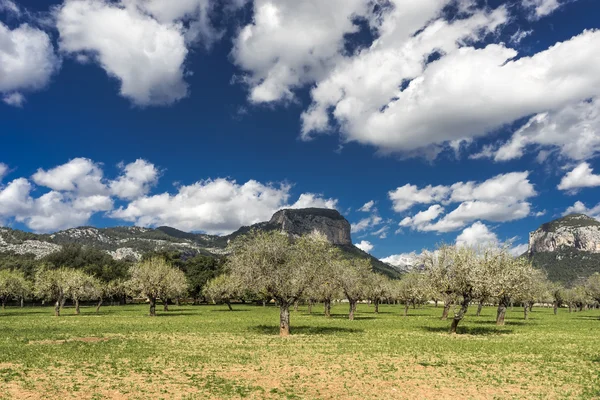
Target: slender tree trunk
57	307
3	303
100	301
436	303
479	308
229	305
526	311
555	305
310	304
376	302
570	308
166	305
152	306
22	302
296	305
264	303
284	319
531	306
406	309
328	308
352	309
62	303
177	302
500	315
464	306
446	310
77	311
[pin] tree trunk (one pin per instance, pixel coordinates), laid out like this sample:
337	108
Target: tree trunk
166	305
310	304
229	305
531	306
526	311
436	303
461	313
284	319
177	302
328	308
570	308
62	303
446	310
152	306
3	303
479	308
352	309
296	305
22	302
77	311
376	302
406	309
57	307
500	315
100	301
555	308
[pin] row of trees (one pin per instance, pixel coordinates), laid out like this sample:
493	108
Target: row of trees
267	266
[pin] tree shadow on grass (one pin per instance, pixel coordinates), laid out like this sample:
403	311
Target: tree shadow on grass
340	316
304	330
466	330
588	317
225	310
493	322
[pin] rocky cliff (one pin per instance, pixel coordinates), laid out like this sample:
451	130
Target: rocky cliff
576	231
567	248
301	222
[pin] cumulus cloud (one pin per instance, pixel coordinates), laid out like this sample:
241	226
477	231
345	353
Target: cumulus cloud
581	176
519	249
80	174
402	261
147	57
572	131
498	199
476	235
279	53
541	8
10	7
365	246
27	61
403	198
311	200
580	208
218	206
137	179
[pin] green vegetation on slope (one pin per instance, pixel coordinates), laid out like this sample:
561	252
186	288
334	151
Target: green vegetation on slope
567	265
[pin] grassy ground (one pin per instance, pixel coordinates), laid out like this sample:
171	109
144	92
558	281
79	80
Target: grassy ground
207	352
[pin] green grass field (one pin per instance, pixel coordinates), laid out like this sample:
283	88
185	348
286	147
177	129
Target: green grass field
207	352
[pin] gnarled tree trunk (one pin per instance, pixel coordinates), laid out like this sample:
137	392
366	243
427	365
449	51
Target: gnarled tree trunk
327	305
100	301
152	306
166	305
526	311
446	310
284	319
229	305
406	309
464	306
555	305
500	315
352	310
57	307
479	308
376	302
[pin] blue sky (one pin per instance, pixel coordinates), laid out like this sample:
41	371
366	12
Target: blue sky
207	115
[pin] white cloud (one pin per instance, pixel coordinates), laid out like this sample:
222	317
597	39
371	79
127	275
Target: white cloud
402	261
367	206
27	61
147	57
519	249
581	176
218	206
408	195
3	170
79	175
365	246
311	200
541	8
279	53
10	7
366	223
137	179
498	199
580	208
573	131
475	235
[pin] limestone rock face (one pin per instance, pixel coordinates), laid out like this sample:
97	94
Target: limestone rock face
304	221
575	231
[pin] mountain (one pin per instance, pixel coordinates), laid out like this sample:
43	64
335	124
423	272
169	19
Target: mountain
130	243
568	248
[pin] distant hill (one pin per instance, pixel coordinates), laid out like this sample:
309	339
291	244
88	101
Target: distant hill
130	243
568	248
